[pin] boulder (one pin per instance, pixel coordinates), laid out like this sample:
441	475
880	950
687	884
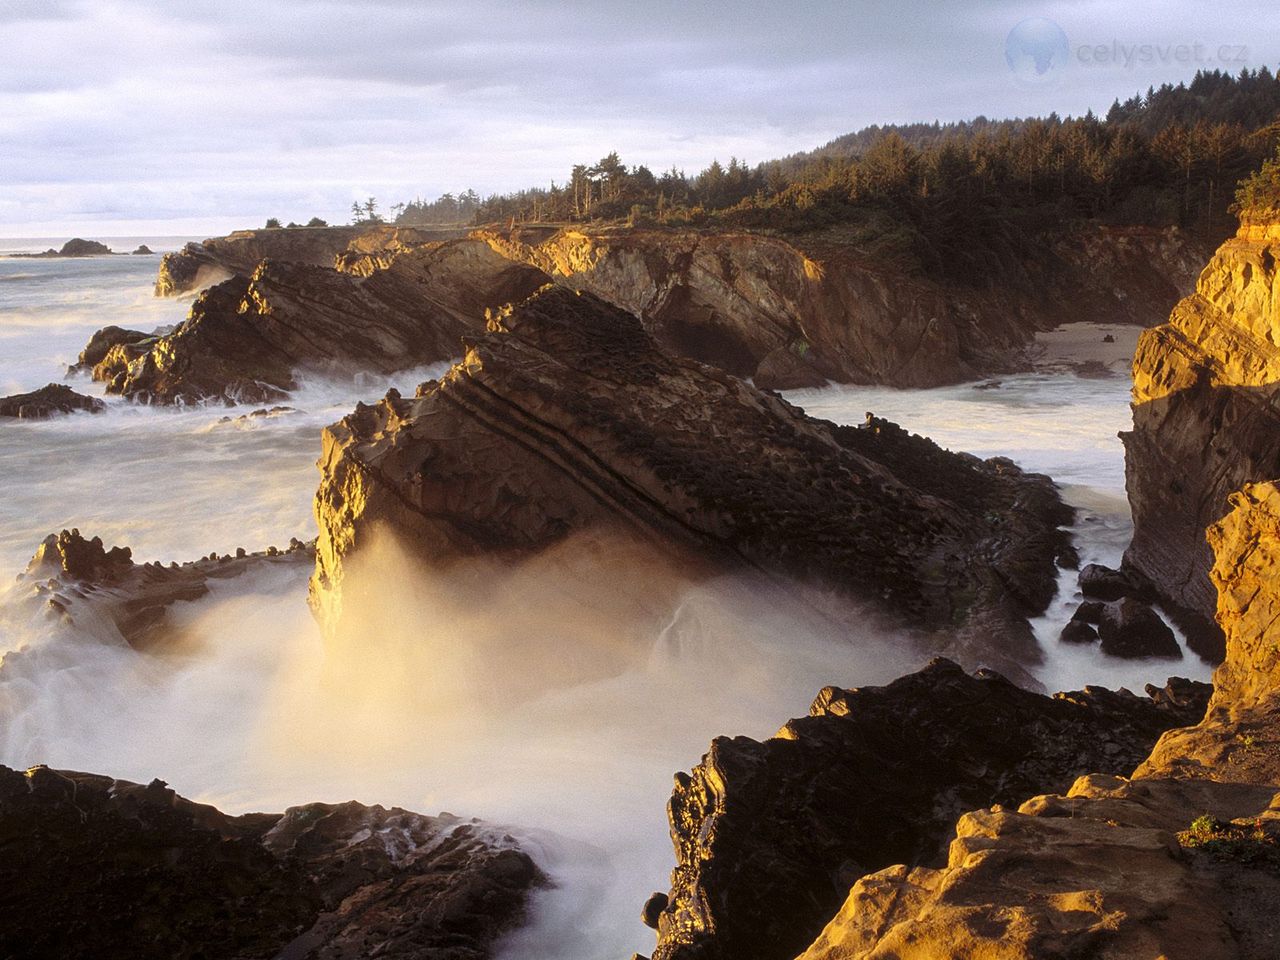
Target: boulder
1130	628
1077	631
106	869
48	401
565	417
1103	583
771	835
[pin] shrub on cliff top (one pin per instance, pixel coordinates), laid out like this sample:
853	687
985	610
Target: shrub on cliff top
1259	195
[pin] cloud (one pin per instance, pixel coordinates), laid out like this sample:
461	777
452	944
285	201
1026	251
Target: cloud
223	108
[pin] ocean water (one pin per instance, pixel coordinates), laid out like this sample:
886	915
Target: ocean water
559	697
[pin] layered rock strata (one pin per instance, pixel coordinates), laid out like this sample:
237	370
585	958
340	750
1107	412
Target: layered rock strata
247	339
565	416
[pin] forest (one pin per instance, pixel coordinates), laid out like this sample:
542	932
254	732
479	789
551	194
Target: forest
955	198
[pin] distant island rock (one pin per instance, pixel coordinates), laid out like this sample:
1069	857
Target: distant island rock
144	251
73	248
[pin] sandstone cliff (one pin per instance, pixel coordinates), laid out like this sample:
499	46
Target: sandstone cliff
98	868
1204	417
245	340
797	312
770	836
1181	862
566	417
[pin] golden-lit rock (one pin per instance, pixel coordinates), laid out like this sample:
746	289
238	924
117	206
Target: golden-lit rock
1205	419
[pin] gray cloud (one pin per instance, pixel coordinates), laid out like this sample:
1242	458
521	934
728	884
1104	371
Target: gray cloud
224	109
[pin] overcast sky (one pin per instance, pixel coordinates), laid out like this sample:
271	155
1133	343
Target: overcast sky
197	116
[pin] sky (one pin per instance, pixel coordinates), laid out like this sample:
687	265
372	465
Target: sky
125	117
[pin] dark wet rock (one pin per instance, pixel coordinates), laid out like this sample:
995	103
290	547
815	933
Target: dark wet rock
98	868
107	593
1130	628
786	369
769	836
101	344
1089	611
566	417
48	401
1104	583
144	251
247	340
1077	631
652	909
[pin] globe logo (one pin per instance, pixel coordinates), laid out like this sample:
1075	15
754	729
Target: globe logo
1036	51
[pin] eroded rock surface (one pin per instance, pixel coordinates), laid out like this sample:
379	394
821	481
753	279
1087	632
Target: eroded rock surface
102	343
770	836
565	416
106	593
1100	873
92	867
246	340
48	401
1204	419
795	312
1180	862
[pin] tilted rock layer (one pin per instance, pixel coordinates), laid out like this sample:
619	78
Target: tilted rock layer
246	340
566	416
199	264
1204	418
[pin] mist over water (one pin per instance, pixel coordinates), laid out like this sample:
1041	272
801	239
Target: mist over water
556	696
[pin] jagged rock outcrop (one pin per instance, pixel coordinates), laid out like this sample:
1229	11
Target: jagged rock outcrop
81	582
1204	421
50	400
245	340
796	312
101	344
92	867
199	264
565	416
1180	862
1111	871
770	836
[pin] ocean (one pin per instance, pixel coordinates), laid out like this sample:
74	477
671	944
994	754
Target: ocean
537	708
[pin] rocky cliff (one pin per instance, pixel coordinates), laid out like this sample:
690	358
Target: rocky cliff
1204	415
246	339
796	312
566	417
1180	862
199	264
770	836
92	867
